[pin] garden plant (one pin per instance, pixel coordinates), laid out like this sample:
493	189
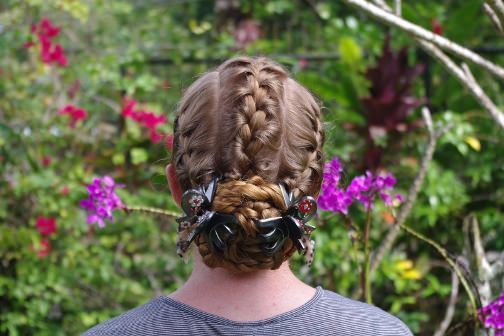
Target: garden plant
411	209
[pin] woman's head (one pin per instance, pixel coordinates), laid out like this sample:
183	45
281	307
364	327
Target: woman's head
252	125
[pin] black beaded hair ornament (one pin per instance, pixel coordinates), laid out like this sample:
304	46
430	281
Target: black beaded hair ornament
218	227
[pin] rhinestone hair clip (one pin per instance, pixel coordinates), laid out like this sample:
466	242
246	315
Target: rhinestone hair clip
218	228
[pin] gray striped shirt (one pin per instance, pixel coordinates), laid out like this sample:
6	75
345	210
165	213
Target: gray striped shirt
327	313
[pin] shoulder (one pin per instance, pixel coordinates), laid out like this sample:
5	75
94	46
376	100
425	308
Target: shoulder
138	321
361	318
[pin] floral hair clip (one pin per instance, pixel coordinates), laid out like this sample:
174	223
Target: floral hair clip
293	225
196	204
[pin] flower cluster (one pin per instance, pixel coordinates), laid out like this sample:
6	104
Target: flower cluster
49	52
102	200
363	188
145	118
492	315
75	113
46	227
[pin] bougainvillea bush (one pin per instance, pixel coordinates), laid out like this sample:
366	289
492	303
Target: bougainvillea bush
87	94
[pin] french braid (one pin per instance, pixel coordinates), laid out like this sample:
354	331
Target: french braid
252	125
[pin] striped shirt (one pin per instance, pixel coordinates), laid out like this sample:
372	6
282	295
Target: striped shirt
327	313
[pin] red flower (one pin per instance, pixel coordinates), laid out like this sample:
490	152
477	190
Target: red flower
129	107
47	28
46	161
58	55
144	117
44	249
75	113
436	27
46	226
49	52
28	44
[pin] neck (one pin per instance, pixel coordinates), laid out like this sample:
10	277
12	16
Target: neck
243	296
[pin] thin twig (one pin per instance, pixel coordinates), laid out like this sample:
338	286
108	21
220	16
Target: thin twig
491	14
453	264
389	240
365	275
156	211
485	271
398	10
498	9
450	310
419	32
466	79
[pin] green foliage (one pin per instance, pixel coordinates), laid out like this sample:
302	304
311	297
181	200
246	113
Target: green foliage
151	51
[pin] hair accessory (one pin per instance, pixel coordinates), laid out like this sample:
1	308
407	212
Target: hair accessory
199	219
291	225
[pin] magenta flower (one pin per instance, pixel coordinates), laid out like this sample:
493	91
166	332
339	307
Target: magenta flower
363	188
332	197
75	114
46	226
146	118
49	53
102	200
492	315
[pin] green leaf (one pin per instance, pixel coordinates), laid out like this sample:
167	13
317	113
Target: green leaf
138	155
349	50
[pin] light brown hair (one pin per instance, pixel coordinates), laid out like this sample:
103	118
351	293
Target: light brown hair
252	125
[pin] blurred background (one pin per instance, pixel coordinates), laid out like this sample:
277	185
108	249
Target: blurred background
88	88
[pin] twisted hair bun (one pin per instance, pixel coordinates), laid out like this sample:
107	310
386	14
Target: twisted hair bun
250	123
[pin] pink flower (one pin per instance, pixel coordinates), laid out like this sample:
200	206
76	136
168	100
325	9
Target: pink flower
44	248
492	315
46	28
58	55
145	118
49	53
28	44
46	160
102	200
75	113
129	107
363	188
46	226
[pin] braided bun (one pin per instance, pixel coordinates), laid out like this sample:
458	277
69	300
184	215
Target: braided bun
251	124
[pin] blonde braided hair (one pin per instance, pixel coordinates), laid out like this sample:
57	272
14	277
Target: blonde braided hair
251	124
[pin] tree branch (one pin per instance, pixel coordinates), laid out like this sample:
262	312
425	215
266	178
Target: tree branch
498	8
463	76
421	33
491	14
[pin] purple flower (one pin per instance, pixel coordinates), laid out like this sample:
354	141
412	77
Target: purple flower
362	188
102	200
492	315
331	197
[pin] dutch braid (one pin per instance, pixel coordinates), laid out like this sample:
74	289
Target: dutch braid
251	124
